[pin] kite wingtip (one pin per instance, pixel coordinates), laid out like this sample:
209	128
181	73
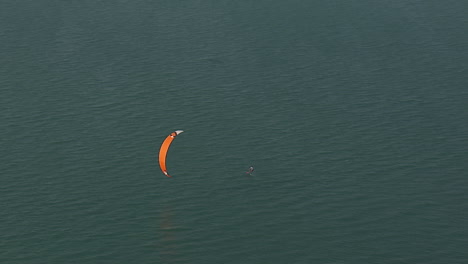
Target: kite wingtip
179	131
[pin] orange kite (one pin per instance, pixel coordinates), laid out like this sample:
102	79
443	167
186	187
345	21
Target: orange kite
163	150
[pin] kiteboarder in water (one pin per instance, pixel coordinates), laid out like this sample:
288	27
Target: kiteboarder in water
251	169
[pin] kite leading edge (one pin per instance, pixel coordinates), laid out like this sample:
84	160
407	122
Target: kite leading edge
163	150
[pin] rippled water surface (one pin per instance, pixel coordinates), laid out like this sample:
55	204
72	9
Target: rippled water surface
353	114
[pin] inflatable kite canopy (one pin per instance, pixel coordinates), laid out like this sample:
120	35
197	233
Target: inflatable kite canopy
164	148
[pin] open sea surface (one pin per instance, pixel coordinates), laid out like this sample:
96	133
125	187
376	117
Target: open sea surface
353	113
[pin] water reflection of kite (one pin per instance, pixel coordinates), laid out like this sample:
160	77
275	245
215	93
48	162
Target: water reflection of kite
168	244
164	148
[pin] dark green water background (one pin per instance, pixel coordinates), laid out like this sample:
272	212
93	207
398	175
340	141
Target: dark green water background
354	114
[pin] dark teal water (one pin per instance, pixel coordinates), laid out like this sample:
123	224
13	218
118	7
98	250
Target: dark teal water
354	114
